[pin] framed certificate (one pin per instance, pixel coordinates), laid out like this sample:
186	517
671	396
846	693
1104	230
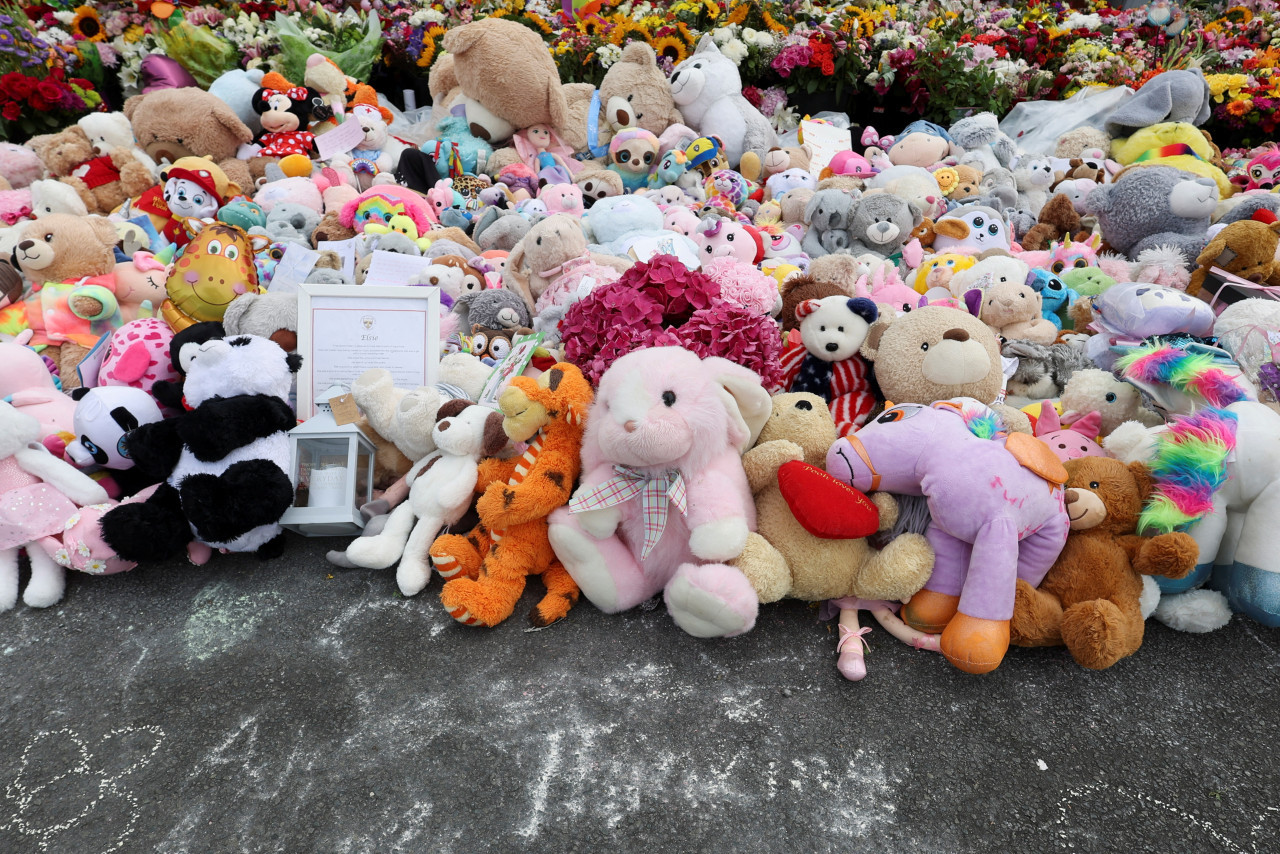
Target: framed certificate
345	330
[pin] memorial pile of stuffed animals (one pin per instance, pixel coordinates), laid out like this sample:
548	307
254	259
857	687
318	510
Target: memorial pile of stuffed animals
996	388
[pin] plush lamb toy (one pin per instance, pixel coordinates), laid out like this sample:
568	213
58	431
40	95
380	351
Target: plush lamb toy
38	494
225	460
664	500
440	492
828	364
708	90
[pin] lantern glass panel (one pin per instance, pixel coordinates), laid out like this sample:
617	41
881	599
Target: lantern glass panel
322	475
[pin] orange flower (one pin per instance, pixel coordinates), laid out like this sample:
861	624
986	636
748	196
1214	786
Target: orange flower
1239	108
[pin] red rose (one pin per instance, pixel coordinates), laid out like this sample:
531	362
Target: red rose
50	91
17	85
11	111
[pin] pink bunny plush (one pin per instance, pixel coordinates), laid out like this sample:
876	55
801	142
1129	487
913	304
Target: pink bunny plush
25	382
664	500
1070	442
38	494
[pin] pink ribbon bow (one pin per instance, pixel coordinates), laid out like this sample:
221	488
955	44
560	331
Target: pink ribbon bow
655	493
848	635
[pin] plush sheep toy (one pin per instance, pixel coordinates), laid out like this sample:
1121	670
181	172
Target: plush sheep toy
224	461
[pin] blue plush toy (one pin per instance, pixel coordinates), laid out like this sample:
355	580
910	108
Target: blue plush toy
455	147
670	167
1055	297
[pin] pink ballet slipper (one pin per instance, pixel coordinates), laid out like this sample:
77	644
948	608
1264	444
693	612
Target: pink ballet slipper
198	553
850	648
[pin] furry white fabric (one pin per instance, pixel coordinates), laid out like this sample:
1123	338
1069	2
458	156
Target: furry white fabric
708	90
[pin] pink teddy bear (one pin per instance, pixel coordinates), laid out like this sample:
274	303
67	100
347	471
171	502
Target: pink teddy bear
562	198
664	501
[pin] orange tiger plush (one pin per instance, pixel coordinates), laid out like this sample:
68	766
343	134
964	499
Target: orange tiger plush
485	570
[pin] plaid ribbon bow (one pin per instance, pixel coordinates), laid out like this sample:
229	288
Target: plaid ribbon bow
654	491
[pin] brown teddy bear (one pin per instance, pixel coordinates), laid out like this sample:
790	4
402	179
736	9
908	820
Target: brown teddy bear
783	559
968	182
938	353
174	123
1089	600
102	181
1058	219
759	166
1246	248
633	93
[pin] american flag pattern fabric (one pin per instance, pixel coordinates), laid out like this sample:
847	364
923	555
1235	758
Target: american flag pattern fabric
655	493
849	391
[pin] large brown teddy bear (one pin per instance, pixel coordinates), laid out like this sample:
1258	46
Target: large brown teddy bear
1089	599
174	123
633	93
783	559
1246	248
939	353
103	182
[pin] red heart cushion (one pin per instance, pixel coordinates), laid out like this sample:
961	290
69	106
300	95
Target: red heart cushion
824	506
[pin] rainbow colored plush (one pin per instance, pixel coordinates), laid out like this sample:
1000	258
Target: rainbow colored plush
1188	372
981	421
1189	466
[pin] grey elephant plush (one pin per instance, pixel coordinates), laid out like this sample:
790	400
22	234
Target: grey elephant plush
881	224
827	215
1150	206
499	229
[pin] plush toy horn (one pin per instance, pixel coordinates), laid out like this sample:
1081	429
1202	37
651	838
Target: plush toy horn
806	308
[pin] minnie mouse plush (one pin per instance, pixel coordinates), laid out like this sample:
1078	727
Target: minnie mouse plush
285	112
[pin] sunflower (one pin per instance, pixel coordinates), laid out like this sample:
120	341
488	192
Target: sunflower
670	47
628	29
592	26
539	22
712	8
88	25
772	24
738	13
435	31
428	51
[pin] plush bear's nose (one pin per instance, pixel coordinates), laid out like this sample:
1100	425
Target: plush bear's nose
630	426
804	404
443	425
26	244
1072	496
955	335
832	347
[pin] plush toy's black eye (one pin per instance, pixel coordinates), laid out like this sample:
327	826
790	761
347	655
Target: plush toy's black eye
822	329
925	346
1111	397
728	237
539	241
1093	484
669	398
839	329
889	417
979	222
993	229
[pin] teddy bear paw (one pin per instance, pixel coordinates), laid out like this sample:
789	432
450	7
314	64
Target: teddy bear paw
711	600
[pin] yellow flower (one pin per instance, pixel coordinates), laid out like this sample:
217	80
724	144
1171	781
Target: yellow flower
738	13
133	32
628	29
670	47
772	24
539	22
428	51
87	24
711	8
590	26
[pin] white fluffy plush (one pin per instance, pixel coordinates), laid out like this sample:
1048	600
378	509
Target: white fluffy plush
440	491
51	197
830	329
708	90
996	270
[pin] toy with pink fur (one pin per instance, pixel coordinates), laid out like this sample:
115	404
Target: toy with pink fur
38	494
26	383
682	220
562	198
138	355
723	238
884	286
674	426
1073	441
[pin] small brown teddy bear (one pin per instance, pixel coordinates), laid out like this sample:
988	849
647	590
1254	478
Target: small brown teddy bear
1058	219
1089	600
102	181
783	559
1246	248
758	166
968	184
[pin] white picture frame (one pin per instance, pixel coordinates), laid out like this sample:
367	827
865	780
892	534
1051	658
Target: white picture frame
345	330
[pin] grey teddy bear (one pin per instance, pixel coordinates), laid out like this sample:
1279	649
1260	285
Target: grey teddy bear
881	223
494	308
1150	206
827	215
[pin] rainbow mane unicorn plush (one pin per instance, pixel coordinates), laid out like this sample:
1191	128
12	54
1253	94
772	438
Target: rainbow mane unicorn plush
996	501
1218	463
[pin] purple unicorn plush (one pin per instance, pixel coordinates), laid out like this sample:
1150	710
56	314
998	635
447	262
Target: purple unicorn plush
998	514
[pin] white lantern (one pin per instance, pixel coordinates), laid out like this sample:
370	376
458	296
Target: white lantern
332	474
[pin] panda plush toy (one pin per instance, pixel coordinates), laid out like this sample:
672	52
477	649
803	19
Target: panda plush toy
105	417
224	461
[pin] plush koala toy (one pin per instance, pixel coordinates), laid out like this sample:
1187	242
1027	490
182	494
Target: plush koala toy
881	224
1149	206
828	215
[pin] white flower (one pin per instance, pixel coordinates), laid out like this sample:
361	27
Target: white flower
62	557
722	34
65	17
734	50
96	566
759	38
608	54
83	550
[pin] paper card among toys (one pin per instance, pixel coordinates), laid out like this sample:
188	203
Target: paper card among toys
647	247
522	350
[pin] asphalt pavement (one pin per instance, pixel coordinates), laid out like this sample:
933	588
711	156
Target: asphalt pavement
291	706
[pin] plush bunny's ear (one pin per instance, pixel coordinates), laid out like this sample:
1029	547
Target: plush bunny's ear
746	402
